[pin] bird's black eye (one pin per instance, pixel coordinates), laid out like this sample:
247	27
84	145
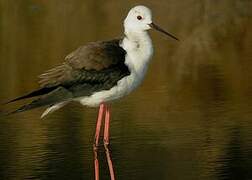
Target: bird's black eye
139	17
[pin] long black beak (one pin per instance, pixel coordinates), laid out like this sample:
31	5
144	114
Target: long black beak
156	27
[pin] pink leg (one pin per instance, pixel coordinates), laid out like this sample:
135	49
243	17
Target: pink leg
96	140
106	143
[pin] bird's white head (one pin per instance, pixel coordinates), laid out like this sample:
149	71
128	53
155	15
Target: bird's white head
139	19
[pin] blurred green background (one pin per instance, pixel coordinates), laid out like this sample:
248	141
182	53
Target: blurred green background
190	119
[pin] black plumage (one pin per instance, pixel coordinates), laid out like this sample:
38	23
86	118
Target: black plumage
92	68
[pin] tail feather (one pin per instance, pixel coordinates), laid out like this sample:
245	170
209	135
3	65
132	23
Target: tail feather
35	93
56	96
53	108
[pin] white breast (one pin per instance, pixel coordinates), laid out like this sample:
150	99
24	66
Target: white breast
139	52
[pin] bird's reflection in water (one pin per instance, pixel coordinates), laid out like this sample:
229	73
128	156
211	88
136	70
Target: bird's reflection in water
190	119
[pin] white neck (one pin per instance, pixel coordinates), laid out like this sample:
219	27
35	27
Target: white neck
138	46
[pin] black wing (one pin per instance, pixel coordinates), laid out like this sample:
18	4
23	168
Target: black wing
87	63
91	68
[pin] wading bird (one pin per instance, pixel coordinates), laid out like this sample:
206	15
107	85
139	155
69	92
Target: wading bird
99	72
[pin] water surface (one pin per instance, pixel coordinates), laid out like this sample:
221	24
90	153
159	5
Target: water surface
190	119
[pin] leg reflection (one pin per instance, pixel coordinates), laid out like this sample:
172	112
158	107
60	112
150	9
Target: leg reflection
96	140
103	109
106	143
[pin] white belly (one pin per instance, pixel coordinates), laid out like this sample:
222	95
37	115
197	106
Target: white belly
137	59
123	88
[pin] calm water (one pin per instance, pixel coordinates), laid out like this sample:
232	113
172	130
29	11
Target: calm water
190	119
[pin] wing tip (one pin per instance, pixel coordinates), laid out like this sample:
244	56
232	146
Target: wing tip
9	101
7	114
32	94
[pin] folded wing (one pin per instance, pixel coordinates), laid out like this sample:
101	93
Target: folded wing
91	68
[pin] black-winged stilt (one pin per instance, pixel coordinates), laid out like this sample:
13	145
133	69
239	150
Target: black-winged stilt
99	72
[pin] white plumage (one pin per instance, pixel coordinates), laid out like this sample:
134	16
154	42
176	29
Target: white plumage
138	45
